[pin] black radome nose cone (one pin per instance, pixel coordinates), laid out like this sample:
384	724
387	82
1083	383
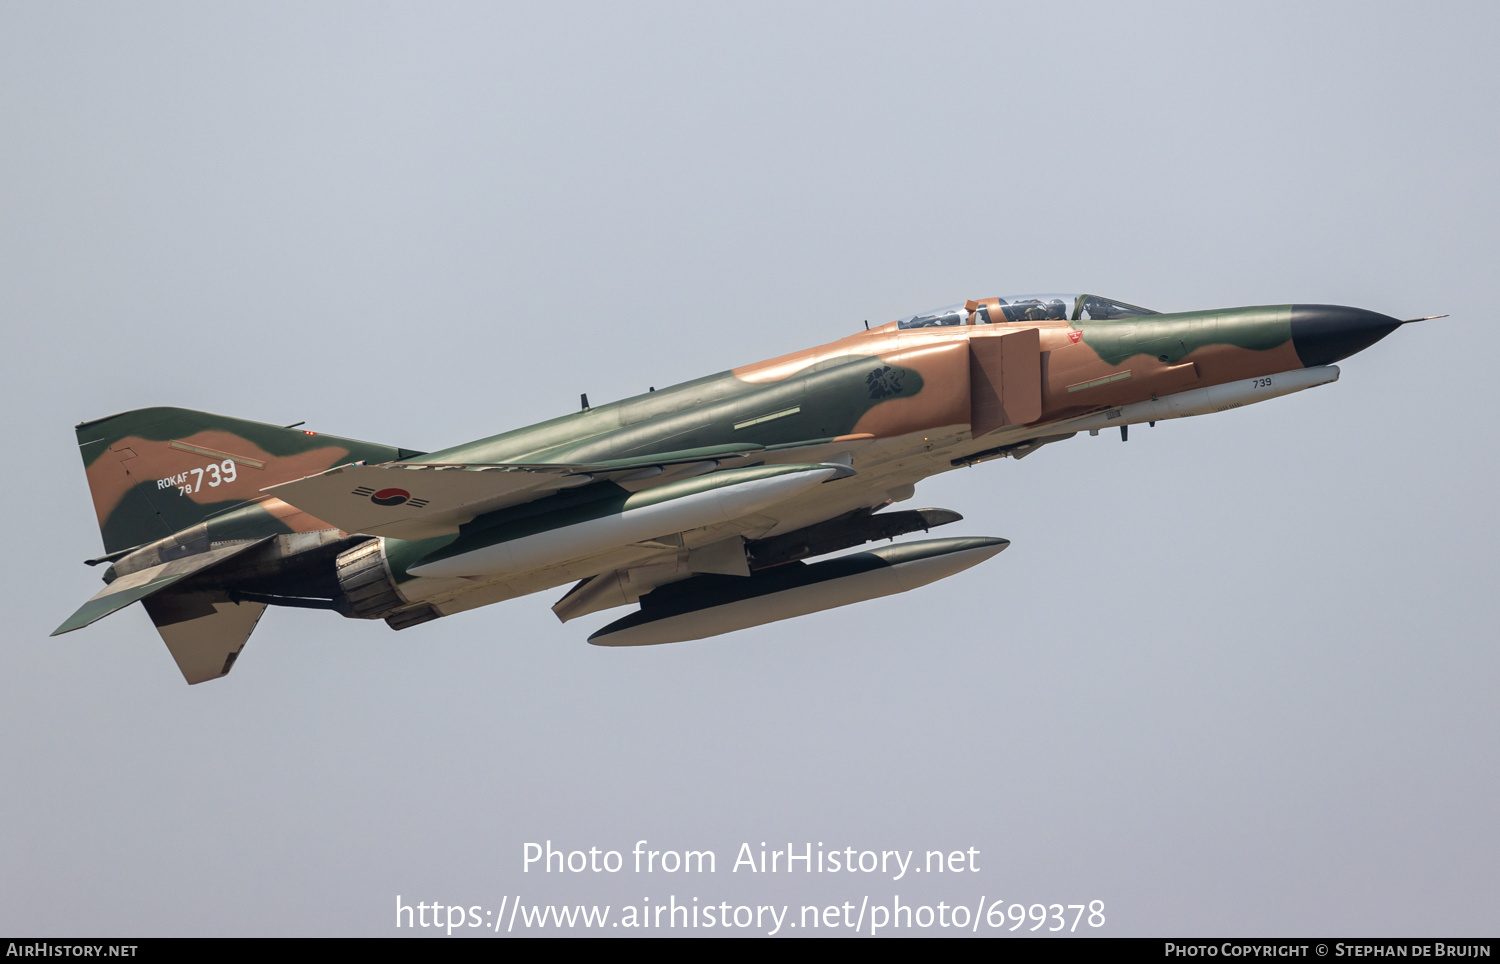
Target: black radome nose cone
1323	334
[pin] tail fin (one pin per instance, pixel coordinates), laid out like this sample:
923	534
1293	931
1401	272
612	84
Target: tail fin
155	471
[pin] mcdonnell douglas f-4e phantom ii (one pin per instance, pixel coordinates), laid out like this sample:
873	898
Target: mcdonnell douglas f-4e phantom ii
698	502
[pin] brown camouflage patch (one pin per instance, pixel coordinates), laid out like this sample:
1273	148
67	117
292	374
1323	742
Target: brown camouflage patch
943	364
166	469
292	517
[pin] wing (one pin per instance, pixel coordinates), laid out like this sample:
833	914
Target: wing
420	500
411	500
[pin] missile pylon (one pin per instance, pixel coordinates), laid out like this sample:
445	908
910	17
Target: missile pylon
710	605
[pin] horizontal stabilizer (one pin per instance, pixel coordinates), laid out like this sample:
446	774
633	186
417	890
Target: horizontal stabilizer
136	586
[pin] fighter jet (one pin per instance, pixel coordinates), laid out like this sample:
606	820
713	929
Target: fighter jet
697	504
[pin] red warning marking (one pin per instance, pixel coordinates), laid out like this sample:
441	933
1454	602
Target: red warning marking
1074	336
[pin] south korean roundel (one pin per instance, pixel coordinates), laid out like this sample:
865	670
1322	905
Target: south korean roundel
390	497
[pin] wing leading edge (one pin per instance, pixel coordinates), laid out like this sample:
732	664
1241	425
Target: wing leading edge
421	500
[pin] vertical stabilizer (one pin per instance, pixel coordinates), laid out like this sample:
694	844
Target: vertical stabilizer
156	471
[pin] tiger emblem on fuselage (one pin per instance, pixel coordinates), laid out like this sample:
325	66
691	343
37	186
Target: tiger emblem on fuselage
884	382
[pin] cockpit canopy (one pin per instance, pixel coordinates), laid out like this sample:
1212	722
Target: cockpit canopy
1022	308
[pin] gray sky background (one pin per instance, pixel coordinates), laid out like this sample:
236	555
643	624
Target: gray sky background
1236	676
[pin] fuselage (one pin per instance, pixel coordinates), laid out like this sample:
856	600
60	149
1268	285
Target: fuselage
208	519
905	401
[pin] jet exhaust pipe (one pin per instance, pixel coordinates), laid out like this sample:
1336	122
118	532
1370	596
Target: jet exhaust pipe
668	509
711	605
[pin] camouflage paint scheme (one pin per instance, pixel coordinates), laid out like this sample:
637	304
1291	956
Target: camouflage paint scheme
180	499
